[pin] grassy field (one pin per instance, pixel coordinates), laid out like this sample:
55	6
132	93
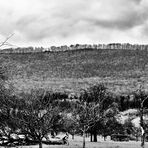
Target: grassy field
121	70
77	143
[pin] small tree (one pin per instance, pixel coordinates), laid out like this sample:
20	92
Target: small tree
85	116
129	127
110	125
70	124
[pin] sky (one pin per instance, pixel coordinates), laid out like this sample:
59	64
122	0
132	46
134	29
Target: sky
65	22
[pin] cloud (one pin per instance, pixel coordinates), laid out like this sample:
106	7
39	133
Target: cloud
119	14
65	21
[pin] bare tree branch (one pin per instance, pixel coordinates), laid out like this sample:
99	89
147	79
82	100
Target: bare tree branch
5	41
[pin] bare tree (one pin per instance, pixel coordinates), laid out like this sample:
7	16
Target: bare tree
37	117
85	115
143	128
142	98
97	94
5	42
89	110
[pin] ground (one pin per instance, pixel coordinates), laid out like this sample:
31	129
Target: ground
77	143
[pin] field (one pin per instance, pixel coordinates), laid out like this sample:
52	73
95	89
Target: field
122	71
77	143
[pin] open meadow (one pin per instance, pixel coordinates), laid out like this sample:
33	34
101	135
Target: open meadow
77	143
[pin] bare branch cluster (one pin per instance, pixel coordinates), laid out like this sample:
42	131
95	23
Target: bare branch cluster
5	42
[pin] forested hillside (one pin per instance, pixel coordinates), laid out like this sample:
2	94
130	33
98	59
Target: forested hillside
121	70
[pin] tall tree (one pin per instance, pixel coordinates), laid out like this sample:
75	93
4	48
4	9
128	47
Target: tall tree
142	99
97	95
89	110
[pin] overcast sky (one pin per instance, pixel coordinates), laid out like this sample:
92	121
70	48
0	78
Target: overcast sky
58	22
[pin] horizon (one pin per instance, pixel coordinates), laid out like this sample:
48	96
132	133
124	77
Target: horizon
120	46
13	46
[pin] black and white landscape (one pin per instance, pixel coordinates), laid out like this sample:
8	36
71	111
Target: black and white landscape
74	73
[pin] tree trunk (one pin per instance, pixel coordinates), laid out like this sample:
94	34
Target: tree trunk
84	137
73	136
142	126
142	140
136	137
95	137
40	144
91	137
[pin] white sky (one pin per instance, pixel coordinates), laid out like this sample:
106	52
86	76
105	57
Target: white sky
58	22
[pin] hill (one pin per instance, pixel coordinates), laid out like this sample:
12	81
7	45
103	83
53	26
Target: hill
121	70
